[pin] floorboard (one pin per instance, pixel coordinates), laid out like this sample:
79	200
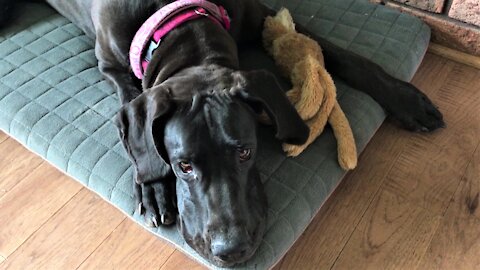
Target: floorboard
456	243
178	260
31	203
393	234
429	174
69	237
129	247
3	136
16	163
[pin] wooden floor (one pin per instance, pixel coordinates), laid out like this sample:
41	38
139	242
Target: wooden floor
411	203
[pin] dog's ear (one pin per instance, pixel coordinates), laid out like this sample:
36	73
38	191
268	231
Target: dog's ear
135	123
261	91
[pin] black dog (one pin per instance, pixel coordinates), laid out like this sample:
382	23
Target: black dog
191	120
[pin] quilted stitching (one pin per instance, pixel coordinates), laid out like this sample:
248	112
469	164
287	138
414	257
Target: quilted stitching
54	100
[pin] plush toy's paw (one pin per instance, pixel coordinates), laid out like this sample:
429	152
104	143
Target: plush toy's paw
293	150
155	202
415	111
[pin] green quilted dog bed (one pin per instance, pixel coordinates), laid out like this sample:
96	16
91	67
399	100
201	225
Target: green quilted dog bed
54	101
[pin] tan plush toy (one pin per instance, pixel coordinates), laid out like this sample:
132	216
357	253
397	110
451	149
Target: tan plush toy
313	94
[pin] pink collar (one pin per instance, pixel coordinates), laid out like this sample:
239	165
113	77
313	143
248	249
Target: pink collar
165	20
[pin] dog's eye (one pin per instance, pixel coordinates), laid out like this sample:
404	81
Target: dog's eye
185	167
244	154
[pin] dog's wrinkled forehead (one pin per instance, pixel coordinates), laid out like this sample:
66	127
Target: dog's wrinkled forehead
215	118
222	115
225	116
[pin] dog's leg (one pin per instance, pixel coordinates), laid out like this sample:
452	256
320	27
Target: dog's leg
402	100
153	200
117	73
112	45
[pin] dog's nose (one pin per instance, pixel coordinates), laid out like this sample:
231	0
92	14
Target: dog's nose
229	250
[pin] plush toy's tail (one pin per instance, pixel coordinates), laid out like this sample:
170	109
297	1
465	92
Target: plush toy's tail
347	150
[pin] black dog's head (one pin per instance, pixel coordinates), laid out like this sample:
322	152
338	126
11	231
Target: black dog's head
209	143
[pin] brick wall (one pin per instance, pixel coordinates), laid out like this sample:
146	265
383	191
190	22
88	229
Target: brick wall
454	23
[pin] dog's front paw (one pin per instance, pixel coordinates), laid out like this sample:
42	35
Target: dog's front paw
155	201
414	110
